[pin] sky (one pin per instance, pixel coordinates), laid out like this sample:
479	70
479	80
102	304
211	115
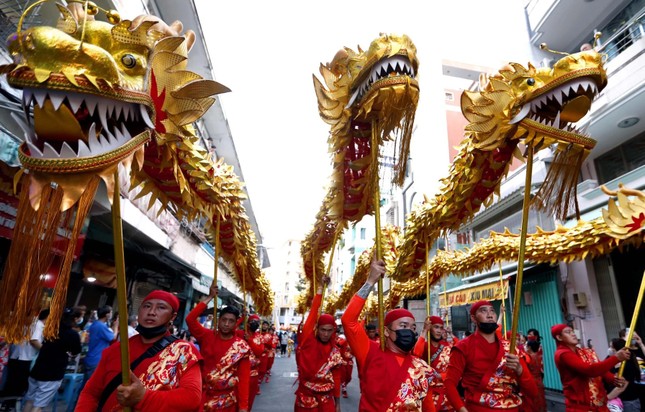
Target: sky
266	53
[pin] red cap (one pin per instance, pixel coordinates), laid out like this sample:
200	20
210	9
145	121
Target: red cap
436	320
326	319
479	304
395	314
167	297
556	330
254	317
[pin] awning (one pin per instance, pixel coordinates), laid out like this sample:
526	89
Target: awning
487	289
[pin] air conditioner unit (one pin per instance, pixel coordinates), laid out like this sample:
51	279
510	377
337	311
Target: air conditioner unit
580	299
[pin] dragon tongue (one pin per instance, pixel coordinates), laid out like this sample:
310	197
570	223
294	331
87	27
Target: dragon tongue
575	109
56	125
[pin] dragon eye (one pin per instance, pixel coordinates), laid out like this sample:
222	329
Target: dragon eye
128	61
530	81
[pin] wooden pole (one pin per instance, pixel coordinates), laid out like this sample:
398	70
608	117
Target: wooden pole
119	265
520	260
331	260
428	301
632	324
216	268
501	285
377	223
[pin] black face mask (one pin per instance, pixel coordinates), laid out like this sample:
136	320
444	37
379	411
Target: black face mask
405	339
487	327
432	338
149	333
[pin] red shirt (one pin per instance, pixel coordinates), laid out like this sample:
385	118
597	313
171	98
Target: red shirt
575	375
213	348
184	395
382	370
483	358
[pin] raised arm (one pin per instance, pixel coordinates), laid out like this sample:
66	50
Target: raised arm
195	328
354	331
570	360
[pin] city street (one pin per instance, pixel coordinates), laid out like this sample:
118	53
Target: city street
278	394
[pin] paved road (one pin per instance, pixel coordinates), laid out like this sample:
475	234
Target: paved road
278	394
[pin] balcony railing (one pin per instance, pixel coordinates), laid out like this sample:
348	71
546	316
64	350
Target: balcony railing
621	38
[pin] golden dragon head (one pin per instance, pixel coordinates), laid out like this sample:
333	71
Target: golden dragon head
376	86
540	108
95	92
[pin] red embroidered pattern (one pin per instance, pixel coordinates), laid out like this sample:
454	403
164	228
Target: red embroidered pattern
220	382
173	361
501	390
596	387
322	385
415	388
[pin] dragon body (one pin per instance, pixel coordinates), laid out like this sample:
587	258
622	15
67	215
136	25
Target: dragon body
517	107
99	96
367	97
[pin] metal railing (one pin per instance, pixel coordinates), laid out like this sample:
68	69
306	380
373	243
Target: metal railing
625	36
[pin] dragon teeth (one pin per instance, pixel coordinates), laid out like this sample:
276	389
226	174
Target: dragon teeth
49	151
35	152
145	116
74	101
40	97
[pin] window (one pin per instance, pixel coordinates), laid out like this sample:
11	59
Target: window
449	96
621	159
362	233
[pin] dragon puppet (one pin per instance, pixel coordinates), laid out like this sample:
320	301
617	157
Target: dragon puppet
531	106
101	96
369	98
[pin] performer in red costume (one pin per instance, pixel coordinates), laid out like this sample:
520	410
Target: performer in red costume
348	363
168	379
274	343
254	339
393	379
265	336
439	357
492	377
582	373
226	370
319	362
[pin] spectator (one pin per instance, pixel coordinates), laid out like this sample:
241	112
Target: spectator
101	336
49	370
284	341
20	358
4	358
132	326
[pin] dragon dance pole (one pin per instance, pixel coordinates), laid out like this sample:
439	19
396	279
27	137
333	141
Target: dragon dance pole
501	285
119	265
632	324
428	299
331	260
216	268
520	262
377	223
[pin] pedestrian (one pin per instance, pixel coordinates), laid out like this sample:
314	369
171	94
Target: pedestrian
581	372
392	379
319	361
226	370
438	359
48	371
490	375
132	326
631	396
165	373
21	357
4	359
284	341
101	336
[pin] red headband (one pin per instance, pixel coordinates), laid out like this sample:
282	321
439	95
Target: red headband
167	297
326	319
397	314
556	330
254	317
477	305
436	320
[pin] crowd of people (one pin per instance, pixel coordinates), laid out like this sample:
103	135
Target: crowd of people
220	363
